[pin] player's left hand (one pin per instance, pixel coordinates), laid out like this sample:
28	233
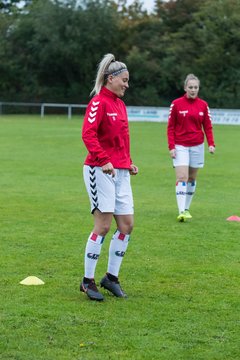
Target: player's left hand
211	149
133	169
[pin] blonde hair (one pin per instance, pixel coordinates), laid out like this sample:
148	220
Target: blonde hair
107	66
191	77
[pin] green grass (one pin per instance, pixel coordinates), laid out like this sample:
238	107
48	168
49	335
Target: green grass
182	279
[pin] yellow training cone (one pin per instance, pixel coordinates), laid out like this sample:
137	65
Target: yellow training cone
32	280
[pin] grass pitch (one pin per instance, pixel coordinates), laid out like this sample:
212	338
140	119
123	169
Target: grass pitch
182	278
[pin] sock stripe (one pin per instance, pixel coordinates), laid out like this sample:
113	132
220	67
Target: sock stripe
183	183
121	236
98	239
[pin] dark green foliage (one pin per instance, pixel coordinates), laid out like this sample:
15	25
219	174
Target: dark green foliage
49	49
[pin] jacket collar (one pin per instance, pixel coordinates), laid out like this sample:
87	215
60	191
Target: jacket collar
188	99
106	92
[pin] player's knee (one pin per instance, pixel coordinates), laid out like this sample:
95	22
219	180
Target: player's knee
127	227
102	229
105	229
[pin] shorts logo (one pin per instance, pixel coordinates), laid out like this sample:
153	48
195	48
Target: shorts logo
93	185
201	113
92	256
120	253
93	112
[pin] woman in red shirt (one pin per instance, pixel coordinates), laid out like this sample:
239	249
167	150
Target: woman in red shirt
107	171
189	119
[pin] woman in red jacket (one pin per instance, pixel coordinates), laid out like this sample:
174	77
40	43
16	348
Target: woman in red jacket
107	171
189	119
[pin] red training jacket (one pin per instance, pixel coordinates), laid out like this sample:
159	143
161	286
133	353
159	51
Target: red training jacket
187	120
105	131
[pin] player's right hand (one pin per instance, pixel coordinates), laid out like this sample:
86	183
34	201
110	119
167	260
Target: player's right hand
108	169
173	153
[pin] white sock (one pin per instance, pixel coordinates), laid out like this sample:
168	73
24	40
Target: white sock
92	252
191	187
181	188
117	249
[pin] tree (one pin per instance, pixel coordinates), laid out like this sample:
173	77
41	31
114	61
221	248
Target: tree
200	37
53	49
49	51
219	43
13	6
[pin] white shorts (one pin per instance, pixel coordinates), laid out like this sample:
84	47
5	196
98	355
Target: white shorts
109	194
192	156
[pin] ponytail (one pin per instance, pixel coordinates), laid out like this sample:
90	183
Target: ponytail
106	67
